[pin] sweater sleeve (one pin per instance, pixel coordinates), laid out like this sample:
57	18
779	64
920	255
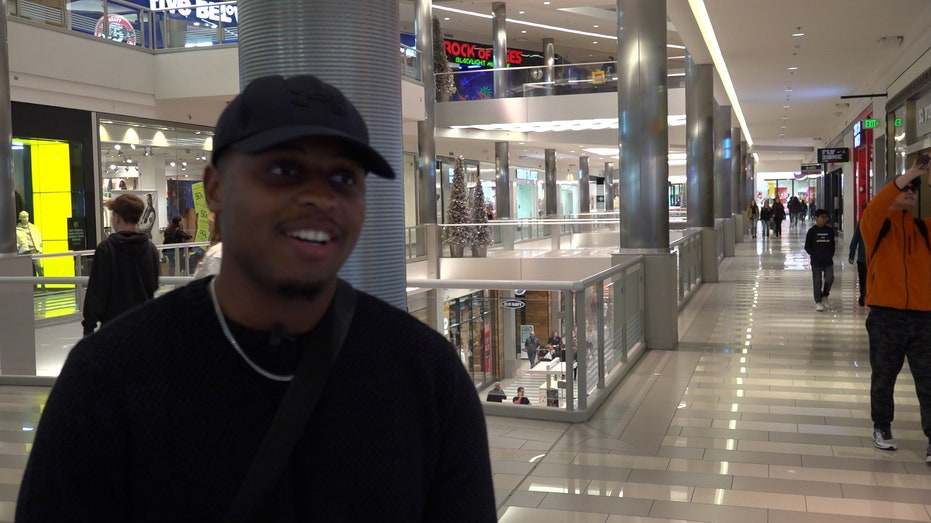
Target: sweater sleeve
74	471
462	486
855	241
97	294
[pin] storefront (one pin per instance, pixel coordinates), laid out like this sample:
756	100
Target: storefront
908	128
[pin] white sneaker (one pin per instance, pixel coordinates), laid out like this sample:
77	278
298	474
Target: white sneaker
883	439
819	306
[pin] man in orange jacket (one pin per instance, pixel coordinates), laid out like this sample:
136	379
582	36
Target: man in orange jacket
899	295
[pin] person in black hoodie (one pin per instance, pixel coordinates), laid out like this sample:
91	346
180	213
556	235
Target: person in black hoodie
125	270
819	244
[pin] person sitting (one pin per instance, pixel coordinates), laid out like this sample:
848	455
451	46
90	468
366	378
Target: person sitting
496	395
520	399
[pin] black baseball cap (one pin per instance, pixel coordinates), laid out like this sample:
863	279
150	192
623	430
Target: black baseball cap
273	110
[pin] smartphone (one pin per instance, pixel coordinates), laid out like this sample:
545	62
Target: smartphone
923	161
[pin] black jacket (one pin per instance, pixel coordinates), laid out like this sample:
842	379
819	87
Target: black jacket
819	244
124	274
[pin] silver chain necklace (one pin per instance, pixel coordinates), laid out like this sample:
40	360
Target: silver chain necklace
232	340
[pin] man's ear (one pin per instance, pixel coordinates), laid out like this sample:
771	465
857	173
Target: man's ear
212	188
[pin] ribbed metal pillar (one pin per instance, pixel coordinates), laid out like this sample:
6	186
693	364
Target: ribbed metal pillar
426	139
722	164
642	113
585	205
7	188
502	181
348	44
499	35
549	64
746	169
735	172
609	186
699	143
549	185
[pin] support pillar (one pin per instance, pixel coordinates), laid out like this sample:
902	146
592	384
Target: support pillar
503	192
699	144
499	35
644	167
550	188
722	177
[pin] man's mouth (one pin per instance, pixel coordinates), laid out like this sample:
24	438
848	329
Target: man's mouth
316	237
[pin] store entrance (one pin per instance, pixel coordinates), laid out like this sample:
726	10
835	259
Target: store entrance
471	321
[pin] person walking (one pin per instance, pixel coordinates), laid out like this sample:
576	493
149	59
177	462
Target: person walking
125	270
531	346
858	254
820	245
779	216
898	265
753	217
795	208
766	214
274	391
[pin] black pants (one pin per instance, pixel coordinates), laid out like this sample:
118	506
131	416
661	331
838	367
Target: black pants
822	279
894	336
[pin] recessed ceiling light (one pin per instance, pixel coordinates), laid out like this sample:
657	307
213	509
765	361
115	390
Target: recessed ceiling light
595	42
793	68
785	106
523	31
546	3
798	34
447	19
595	26
788	89
521	12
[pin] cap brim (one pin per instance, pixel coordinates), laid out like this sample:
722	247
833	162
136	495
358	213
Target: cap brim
368	157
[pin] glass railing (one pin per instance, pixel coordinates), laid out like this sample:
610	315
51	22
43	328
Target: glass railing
143	26
604	334
563	79
410	63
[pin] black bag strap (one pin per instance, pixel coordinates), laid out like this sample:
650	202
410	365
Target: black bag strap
294	411
884	230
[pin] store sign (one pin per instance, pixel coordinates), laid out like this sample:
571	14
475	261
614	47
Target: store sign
526	174
923	115
834	155
468	53
201	9
513	304
76	237
809	169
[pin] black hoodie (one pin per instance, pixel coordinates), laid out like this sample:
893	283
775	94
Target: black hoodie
124	274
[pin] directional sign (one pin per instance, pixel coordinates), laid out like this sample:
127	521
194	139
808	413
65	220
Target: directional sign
834	155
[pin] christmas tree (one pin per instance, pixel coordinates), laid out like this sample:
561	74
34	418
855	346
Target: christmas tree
444	81
481	234
458	211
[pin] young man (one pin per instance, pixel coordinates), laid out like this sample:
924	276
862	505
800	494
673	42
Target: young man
160	416
898	265
532	345
819	244
125	270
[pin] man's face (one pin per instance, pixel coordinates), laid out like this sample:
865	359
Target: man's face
906	198
290	216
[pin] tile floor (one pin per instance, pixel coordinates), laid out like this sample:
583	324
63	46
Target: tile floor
761	415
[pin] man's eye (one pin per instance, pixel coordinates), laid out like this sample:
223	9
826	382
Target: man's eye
283	170
345	178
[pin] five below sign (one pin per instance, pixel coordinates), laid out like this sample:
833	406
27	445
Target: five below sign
512	304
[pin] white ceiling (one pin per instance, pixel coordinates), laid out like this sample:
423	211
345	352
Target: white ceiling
840	55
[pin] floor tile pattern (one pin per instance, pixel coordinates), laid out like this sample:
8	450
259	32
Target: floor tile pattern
760	415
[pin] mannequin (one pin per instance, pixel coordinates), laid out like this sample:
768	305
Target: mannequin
29	241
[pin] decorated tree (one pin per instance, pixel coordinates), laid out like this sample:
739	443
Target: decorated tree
481	233
444	82
458	211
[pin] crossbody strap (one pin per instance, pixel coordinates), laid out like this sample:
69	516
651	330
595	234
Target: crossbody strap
294	410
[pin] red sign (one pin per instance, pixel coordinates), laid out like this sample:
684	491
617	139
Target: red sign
476	54
118	29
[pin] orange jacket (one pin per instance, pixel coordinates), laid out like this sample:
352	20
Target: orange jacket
899	272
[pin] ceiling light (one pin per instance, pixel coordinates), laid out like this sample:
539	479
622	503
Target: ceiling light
523	31
117	147
521	12
700	13
546	3
595	26
446	19
798	34
788	89
792	68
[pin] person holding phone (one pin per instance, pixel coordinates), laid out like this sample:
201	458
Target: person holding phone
898	264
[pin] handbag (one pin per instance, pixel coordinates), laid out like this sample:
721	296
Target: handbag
294	411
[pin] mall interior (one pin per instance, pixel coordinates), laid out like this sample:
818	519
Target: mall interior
605	172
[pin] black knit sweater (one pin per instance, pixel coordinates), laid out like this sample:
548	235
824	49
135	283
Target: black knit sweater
157	418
